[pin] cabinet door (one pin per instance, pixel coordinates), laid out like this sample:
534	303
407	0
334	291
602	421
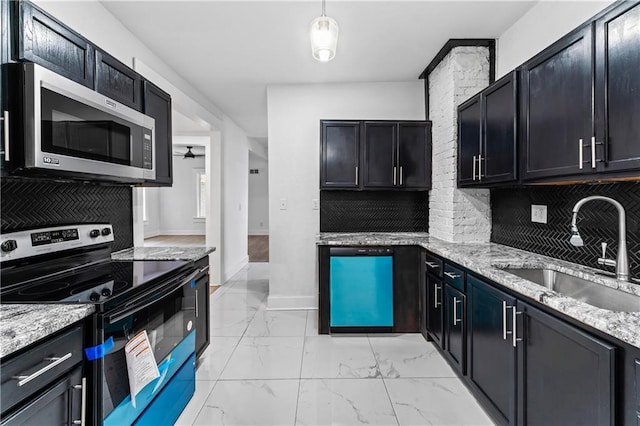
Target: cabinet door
468	141
380	150
499	131
565	376
340	156
556	108
454	326
617	97
157	105
202	314
414	155
60	404
406	281
117	81
492	356
45	41
435	294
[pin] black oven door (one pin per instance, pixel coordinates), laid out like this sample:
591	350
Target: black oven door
167	314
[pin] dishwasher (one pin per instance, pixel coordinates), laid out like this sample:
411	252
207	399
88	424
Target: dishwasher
361	289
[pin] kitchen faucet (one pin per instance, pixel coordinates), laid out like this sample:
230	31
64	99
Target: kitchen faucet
622	263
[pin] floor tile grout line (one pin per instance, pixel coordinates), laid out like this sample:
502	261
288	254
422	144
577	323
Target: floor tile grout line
304	341
395	415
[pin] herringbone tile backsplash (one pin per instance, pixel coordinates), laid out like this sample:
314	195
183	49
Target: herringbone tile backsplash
597	221
31	203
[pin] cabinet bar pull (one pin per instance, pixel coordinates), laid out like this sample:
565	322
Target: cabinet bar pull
5	118
432	265
514	321
435	296
480	167
452	276
394	175
400	175
356	175
197	303
504	320
55	361
580	156
474	167
593	152
456	320
83	407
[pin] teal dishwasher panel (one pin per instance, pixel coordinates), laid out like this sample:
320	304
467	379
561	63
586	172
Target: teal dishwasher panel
361	291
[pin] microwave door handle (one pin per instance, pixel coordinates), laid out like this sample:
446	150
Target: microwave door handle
144	301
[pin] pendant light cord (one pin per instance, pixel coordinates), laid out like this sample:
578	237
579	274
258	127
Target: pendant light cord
323	13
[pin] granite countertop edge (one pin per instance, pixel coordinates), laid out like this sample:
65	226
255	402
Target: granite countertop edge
488	260
24	324
162	253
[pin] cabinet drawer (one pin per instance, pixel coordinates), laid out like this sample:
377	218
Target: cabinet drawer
454	277
29	372
433	264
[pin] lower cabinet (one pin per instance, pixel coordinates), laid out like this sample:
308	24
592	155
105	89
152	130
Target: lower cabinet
455	344
492	352
203	327
433	315
565	376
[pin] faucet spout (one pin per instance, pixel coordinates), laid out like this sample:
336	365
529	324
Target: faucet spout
622	262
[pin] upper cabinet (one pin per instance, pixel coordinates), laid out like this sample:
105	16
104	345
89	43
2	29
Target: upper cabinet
588	120
157	105
117	81
375	155
487	135
43	40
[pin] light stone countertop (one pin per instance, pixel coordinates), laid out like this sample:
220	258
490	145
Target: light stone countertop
162	253
488	260
21	325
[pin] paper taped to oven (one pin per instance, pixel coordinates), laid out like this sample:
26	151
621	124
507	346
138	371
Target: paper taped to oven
141	364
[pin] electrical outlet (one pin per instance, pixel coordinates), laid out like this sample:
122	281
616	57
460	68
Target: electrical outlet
283	203
315	204
538	213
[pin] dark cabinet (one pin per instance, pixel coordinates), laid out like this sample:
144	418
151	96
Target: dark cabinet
157	105
487	135
565	376
117	81
491	349
434	293
414	155
340	154
617	89
406	283
454	327
557	108
380	154
203	327
43	40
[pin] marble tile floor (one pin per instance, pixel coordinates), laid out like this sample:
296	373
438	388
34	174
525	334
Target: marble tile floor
266	367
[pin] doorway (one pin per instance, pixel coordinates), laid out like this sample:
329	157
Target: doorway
258	244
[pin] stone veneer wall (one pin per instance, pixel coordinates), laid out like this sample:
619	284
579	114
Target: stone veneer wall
457	215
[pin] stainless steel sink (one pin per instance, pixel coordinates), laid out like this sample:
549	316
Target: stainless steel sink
583	290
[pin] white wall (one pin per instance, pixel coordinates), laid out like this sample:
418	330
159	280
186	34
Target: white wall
235	195
294	136
258	196
542	25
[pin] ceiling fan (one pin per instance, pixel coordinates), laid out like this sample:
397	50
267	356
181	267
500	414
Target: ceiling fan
188	154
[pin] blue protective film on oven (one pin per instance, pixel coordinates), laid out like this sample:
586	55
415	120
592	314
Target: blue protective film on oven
100	350
193	283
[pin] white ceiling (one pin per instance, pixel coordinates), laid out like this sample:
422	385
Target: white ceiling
232	50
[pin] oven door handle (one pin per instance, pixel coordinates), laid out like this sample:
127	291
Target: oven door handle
149	298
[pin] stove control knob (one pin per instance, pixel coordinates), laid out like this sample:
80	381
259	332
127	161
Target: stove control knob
9	245
94	233
105	292
106	231
94	297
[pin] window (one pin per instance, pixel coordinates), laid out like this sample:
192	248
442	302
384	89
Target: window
145	214
201	193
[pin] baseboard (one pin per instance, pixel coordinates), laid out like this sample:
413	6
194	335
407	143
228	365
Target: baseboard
292	302
151	234
230	272
258	232
182	232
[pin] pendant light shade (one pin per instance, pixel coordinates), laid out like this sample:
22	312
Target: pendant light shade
324	37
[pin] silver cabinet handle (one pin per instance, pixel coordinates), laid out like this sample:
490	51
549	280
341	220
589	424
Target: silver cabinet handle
432	265
456	320
504	320
55	361
452	276
400	175
580	155
356	175
474	167
394	175
593	152
480	167
197	303
514	334
435	296
83	407
5	118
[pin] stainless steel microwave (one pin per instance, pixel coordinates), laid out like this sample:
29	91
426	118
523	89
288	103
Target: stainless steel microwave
57	127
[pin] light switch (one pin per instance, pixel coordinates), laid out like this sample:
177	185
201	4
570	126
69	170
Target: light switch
538	213
283	203
315	204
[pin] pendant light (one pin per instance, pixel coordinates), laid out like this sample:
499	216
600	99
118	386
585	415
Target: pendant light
324	37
